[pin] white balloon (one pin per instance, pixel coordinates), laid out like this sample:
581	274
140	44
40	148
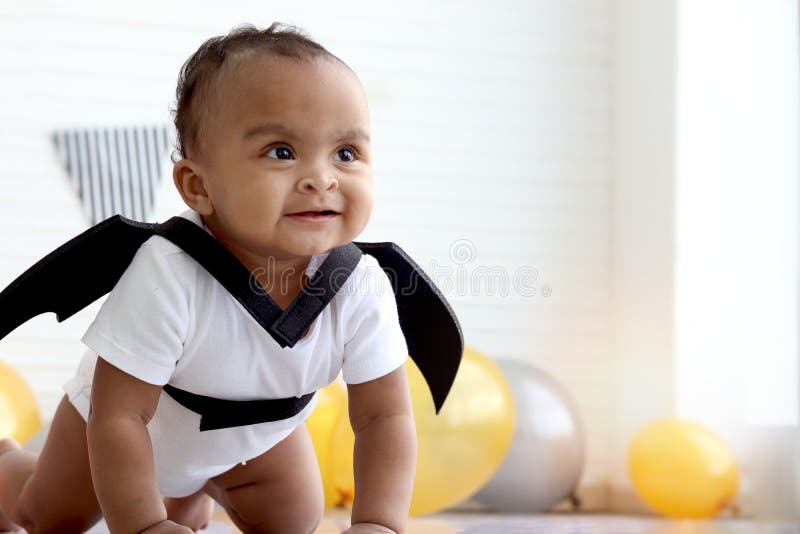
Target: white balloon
546	457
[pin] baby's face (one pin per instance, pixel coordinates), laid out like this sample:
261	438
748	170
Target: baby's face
287	142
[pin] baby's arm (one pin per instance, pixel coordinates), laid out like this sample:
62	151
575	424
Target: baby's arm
385	451
120	452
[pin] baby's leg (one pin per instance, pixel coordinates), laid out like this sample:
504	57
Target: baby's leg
194	511
20	469
55	492
279	491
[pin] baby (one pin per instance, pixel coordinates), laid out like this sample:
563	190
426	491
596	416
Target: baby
273	131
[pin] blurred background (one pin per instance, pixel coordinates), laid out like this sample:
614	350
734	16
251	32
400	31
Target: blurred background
604	189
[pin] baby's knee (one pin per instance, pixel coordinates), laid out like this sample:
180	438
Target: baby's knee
194	511
295	525
41	517
299	515
43	523
308	518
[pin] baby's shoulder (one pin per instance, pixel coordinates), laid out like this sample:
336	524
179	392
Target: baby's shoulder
367	291
365	264
368	278
159	251
162	259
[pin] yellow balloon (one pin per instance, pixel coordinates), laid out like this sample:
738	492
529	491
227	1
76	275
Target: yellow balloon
331	402
19	413
682	470
460	449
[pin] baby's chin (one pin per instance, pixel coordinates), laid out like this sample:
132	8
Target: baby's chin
306	244
312	249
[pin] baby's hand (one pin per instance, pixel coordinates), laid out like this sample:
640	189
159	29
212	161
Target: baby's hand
368	528
167	527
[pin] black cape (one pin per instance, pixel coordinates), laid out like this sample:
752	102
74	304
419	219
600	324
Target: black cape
68	279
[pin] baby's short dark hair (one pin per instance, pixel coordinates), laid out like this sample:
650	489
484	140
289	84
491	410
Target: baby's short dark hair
204	65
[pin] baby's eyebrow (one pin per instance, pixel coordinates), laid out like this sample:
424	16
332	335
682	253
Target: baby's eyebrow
355	133
276	128
267	128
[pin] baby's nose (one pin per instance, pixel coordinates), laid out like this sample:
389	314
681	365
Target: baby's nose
318	182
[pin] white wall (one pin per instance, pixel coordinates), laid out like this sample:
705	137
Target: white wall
491	127
642	246
705	233
737	212
642	223
737	236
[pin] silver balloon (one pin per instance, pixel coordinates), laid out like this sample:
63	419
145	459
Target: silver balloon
546	457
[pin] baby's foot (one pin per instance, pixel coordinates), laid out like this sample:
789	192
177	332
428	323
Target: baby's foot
6	445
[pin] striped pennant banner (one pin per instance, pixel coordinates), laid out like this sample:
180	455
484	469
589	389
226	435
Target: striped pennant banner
114	170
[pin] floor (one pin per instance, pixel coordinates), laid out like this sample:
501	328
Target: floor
569	524
482	523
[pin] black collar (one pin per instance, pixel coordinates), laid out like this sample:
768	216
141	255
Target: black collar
285	326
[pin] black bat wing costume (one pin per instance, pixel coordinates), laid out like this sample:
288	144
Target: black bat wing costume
67	280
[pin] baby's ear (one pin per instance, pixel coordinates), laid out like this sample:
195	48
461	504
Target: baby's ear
186	174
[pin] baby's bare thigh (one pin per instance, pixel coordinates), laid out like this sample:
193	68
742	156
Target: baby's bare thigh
279	491
59	496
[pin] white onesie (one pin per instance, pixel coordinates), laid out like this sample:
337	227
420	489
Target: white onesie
168	321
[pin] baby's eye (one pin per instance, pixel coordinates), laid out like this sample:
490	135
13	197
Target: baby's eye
279	152
344	154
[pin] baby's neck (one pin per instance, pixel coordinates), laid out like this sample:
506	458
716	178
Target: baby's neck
281	278
282	287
